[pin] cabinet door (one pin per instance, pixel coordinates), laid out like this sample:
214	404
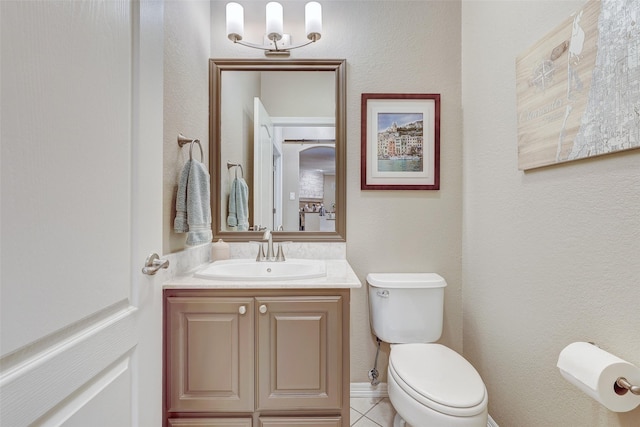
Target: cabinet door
300	422
210	422
299	353
210	347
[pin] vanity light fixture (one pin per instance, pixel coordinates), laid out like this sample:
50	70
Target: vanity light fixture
276	43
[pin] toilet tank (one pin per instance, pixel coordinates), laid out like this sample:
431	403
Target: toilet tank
406	307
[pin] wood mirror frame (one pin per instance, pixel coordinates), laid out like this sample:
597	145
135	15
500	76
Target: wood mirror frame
216	68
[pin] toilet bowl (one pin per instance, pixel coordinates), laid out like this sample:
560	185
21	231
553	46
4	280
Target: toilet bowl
431	385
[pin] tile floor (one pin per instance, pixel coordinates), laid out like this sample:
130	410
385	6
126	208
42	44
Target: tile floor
371	412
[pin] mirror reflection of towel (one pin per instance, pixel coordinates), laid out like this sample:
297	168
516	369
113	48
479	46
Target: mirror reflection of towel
239	205
193	208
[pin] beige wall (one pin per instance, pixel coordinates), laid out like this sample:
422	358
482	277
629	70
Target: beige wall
551	255
186	99
396	47
402	47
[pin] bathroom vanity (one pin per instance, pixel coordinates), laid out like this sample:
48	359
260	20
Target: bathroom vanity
256	353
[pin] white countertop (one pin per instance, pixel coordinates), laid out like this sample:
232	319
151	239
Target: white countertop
339	275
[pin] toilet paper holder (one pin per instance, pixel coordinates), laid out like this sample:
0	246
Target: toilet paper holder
622	386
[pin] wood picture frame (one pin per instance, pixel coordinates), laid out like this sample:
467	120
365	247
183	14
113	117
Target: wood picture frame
400	137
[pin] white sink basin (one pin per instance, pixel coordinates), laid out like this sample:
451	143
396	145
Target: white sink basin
252	270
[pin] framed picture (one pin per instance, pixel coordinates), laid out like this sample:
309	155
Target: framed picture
578	88
400	142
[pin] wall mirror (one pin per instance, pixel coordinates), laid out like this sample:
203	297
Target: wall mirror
279	127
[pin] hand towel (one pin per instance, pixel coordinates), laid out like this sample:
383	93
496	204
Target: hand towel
193	204
232	218
242	205
239	205
199	205
180	222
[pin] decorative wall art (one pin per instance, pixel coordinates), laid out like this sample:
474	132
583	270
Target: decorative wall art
578	89
400	142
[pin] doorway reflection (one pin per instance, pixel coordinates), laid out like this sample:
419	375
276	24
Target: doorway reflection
317	188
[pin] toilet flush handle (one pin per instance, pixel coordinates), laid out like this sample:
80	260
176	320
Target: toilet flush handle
383	294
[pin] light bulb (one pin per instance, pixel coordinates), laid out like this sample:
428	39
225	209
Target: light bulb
235	21
274	21
313	20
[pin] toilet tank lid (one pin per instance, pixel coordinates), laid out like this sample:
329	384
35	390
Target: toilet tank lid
406	280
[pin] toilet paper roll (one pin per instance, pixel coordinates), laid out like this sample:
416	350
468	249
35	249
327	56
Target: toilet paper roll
594	371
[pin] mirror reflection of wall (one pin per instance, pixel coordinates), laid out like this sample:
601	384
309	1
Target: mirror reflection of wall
236	145
293	100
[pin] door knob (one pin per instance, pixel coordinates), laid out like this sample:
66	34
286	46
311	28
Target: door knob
263	309
242	309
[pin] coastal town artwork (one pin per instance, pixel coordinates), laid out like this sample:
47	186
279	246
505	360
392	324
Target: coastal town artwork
400	142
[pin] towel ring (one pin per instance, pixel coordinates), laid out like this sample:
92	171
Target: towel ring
191	149
230	165
183	140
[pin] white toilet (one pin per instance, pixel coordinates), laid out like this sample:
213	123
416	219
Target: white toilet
429	384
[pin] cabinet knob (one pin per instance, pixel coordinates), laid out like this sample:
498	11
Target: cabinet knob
263	309
242	309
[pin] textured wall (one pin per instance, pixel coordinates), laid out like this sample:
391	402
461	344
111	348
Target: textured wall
551	255
415	48
186	99
397	47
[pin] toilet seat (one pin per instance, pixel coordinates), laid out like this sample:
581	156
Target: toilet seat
439	378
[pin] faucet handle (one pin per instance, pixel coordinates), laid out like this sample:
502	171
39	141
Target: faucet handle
260	256
280	256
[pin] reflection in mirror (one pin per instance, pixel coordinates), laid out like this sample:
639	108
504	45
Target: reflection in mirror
317	186
282	124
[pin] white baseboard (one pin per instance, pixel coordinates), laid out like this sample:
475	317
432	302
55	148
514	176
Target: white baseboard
367	390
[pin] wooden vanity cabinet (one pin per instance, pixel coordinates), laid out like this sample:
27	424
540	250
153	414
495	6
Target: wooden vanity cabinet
261	358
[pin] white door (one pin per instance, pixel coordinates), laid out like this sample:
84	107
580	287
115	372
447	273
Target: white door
81	188
262	166
277	188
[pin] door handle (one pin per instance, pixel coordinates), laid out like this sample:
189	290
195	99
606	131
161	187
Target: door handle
153	264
